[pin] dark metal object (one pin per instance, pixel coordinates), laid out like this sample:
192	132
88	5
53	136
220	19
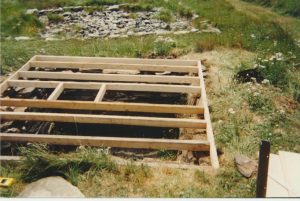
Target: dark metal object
263	166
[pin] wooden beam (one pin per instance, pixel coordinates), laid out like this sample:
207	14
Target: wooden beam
177	62
146	143
4	85
123	66
109	86
209	132
105	119
100	94
56	93
110	77
105	106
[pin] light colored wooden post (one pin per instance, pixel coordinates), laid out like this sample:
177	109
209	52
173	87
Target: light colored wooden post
101	93
4	85
57	91
209	132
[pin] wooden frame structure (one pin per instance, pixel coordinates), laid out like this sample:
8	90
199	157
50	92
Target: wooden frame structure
188	79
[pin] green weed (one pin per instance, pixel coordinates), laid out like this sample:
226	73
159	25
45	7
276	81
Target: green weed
55	18
165	15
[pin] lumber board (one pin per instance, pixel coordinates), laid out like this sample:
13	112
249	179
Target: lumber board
177	62
105	119
56	93
121	66
4	85
290	167
105	106
276	184
109	86
209	132
100	93
110	77
147	143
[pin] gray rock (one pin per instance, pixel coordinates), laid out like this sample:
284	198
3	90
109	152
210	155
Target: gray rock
245	165
27	90
113	8
31	11
22	38
50	187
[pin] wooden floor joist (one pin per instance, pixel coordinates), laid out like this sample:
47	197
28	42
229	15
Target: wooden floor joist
120	66
109	77
109	86
48	72
146	143
104	119
105	106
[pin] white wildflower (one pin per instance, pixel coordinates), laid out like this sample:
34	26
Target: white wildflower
255	65
265	81
253	36
279	56
231	111
261	66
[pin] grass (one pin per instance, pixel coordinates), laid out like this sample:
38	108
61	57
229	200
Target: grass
290	7
165	15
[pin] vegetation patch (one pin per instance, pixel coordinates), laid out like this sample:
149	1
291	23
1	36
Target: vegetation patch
290	7
39	163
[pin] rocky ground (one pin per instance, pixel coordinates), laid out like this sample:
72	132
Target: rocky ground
111	22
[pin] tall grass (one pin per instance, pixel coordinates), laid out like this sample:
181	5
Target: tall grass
290	7
39	163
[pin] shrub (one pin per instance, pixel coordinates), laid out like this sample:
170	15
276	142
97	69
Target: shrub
186	12
92	9
55	18
163	46
101	2
257	102
136	7
165	15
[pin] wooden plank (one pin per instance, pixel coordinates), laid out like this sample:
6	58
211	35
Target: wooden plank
176	62
110	77
4	85
56	93
105	119
109	86
106	106
123	66
147	143
101	93
290	167
276	186
210	136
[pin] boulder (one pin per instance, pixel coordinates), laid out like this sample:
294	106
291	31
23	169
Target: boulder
50	187
31	11
22	38
113	8
245	165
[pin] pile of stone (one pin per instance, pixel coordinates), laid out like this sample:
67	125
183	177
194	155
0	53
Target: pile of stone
111	22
